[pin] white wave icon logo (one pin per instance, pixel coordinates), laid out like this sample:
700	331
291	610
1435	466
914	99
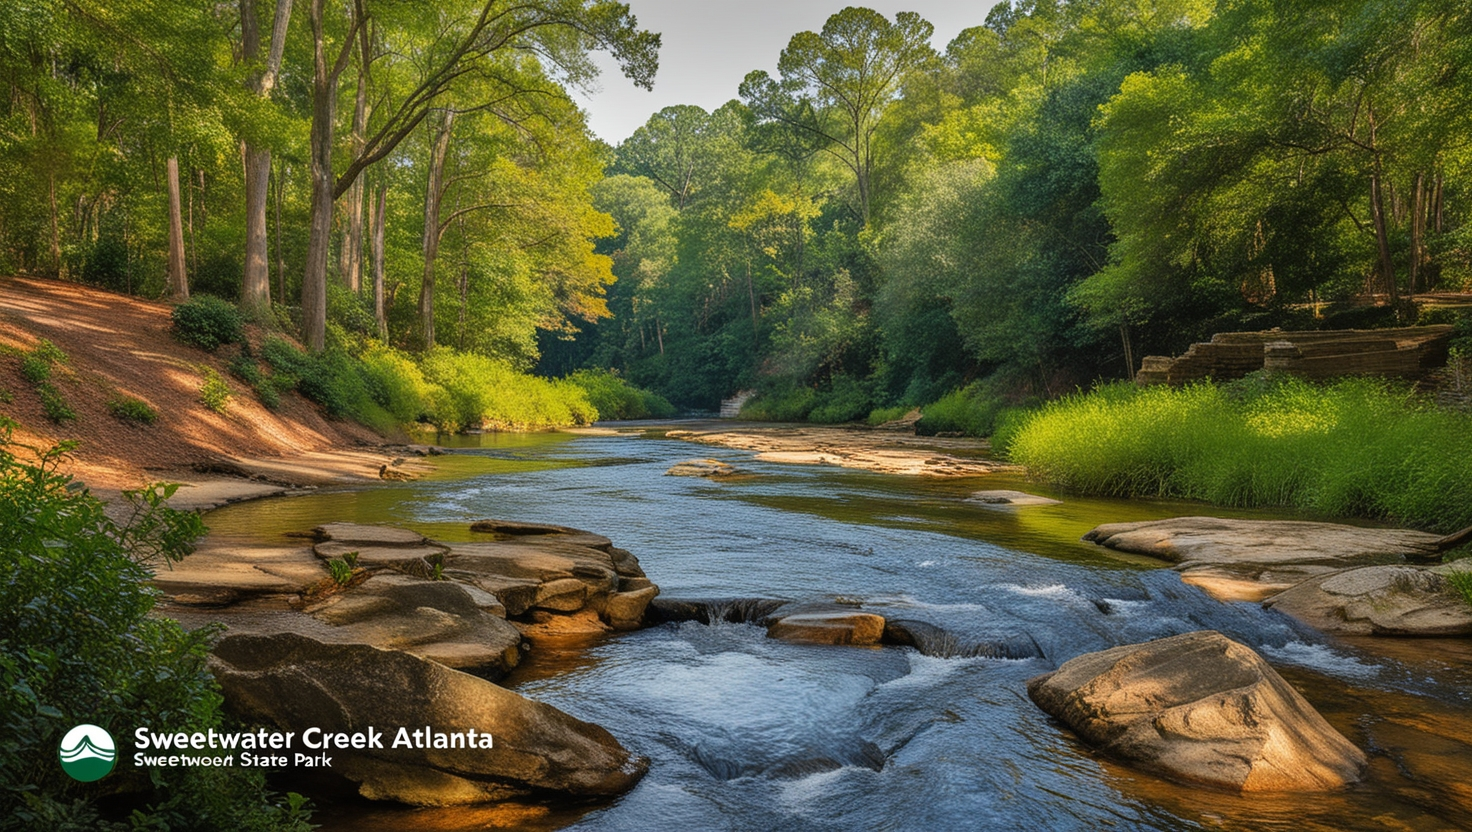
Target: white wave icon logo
87	753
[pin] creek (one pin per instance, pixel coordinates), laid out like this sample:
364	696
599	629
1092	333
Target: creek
746	732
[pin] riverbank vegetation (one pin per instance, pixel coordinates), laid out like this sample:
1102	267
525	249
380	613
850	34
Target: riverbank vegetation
1060	190
1354	448
78	645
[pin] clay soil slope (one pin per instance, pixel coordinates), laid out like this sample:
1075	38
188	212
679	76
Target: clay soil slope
121	346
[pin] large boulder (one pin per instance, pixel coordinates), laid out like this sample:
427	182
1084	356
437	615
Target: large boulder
1249	560
1380	600
1199	707
295	683
700	468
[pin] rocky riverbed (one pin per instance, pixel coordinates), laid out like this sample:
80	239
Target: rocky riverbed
364	625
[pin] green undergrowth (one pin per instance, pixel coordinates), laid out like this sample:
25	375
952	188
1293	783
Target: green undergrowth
1352	448
615	398
79	643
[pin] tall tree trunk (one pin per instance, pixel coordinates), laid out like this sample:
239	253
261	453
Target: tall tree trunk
280	250
319	239
1418	219
55	226
379	212
1377	210
178	280
350	262
433	195
1129	351
255	288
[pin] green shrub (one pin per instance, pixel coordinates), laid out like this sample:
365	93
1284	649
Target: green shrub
49	352
35	369
245	368
481	391
973	410
54	404
208	322
1461	581
78	643
783	403
130	409
6	397
399	387
880	415
614	398
1357	447
214	393
847	399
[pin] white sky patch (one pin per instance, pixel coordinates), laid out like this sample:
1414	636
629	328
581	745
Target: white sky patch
710	45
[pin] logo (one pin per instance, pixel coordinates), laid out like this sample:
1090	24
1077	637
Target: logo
87	753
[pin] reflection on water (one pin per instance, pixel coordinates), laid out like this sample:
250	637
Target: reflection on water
749	733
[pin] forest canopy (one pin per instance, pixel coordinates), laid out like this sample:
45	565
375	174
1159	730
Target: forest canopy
1064	188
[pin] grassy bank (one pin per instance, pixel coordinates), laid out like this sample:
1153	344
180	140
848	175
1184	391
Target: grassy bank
1354	448
359	378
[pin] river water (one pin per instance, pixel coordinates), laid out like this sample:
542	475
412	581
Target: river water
745	732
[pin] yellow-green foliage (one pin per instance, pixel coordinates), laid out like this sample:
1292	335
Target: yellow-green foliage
615	398
1352	448
481	391
399	386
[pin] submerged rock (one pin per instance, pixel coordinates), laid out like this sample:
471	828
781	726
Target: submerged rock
1001	498
1380	600
700	468
1203	708
295	683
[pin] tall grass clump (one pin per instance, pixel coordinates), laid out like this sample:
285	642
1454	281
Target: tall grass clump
1354	448
615	398
974	410
484	392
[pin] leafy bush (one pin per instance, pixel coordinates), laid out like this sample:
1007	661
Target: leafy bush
130	409
399	386
49	352
847	399
214	393
1357	447
785	403
54	404
35	369
480	391
615	398
333	379
973	410
880	415
78	644
208	322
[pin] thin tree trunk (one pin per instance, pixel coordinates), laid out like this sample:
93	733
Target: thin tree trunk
55	226
178	280
319	240
1129	351
193	242
255	288
1382	237
751	295
350	262
280	250
433	195
1418	215
379	212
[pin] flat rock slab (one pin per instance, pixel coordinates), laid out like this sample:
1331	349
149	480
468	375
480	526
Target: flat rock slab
1215	540
295	683
511	529
1003	499
362	534
223	574
1202	708
889	452
1381	600
700	468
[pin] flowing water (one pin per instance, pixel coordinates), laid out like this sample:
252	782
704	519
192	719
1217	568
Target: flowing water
745	732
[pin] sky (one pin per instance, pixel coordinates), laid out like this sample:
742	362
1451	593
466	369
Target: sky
710	45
